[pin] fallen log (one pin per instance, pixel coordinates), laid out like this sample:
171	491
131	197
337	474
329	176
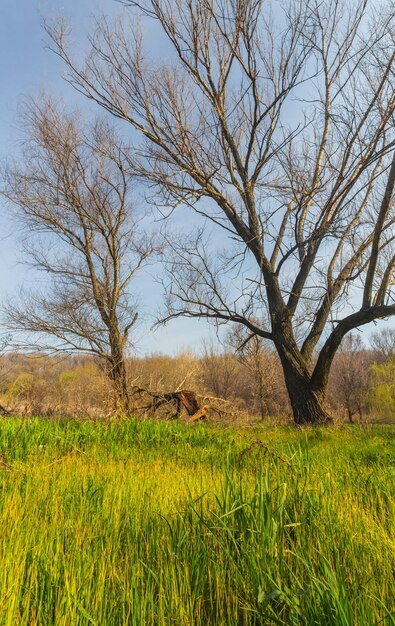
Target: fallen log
4	412
183	399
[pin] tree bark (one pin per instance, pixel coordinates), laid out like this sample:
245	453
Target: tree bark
306	399
306	403
118	376
121	388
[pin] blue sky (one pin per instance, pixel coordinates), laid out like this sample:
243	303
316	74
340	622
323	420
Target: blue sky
26	68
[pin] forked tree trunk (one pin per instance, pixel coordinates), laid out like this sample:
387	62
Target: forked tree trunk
306	403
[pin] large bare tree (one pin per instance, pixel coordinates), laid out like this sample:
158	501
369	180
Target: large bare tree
276	123
72	195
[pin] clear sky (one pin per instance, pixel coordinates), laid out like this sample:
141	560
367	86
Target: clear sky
26	68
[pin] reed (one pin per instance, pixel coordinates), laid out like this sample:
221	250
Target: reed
149	523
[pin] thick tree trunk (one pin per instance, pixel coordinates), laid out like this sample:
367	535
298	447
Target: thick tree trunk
306	403
305	398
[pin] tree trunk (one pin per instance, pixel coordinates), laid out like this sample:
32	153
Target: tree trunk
121	388
306	403
306	398
118	376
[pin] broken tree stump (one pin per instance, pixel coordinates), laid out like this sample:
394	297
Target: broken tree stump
184	398
4	412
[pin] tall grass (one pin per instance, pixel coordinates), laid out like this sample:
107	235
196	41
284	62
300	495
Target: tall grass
146	523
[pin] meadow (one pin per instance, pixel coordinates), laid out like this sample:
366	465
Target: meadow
151	523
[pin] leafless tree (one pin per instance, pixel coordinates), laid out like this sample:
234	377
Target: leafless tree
277	125
350	377
383	344
261	363
218	371
72	194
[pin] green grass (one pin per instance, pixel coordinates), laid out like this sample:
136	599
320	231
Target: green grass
148	523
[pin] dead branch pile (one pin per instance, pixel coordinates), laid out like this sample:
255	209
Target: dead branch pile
172	402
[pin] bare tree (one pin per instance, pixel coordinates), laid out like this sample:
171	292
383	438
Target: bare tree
383	344
261	363
350	377
72	194
218	371
277	125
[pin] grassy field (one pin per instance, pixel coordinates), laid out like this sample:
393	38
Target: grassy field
148	523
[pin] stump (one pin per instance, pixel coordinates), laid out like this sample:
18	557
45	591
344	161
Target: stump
184	398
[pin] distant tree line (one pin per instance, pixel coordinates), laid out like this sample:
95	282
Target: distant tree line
246	387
